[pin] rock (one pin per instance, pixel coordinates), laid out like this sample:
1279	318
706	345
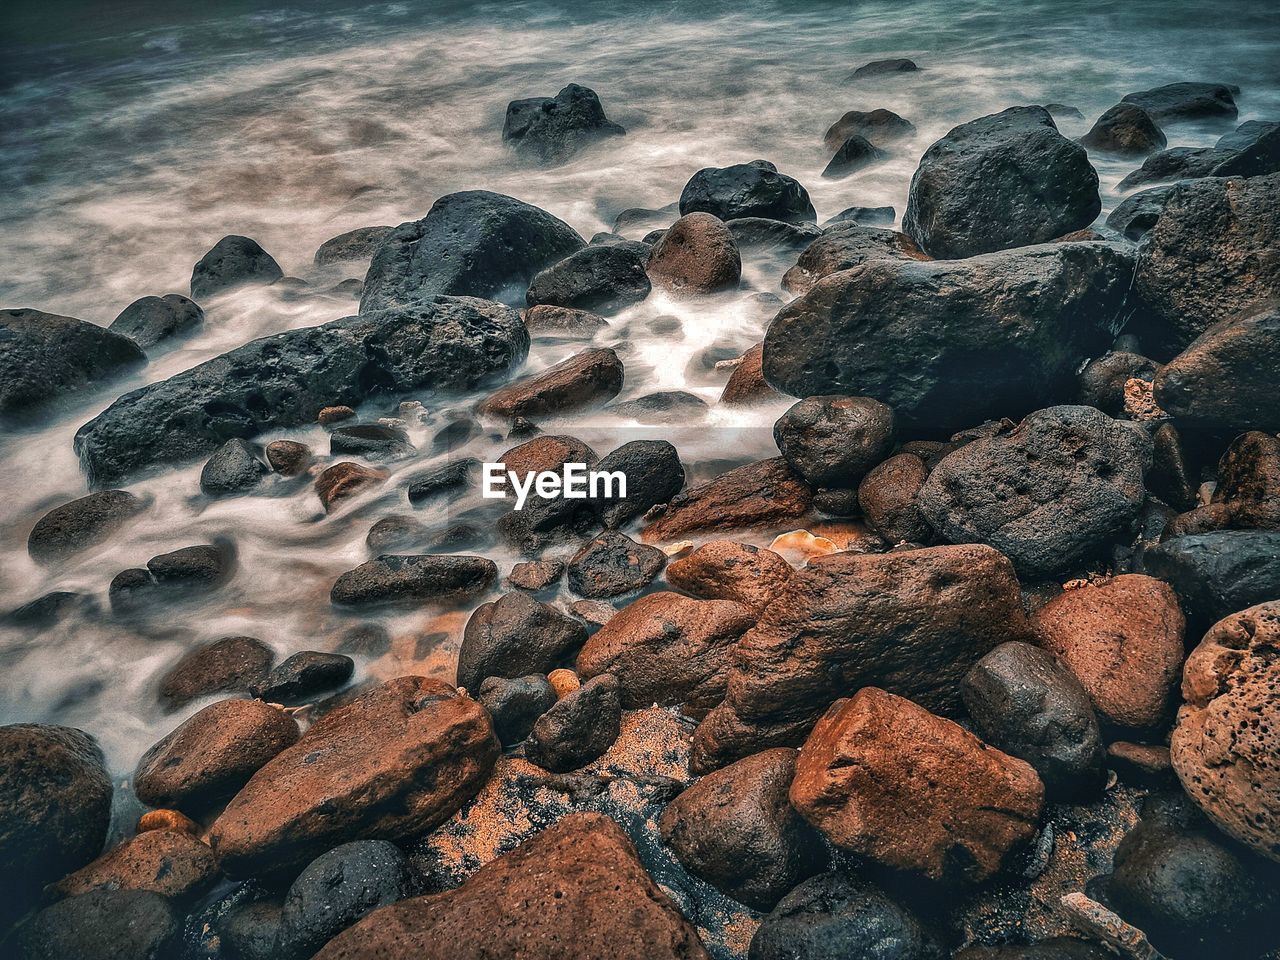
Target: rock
335	414
654	475
414	580
212	754
1025	703
668	649
48	609
1221	380
1223	747
603	279
887	780
736	829
747	385
1219	573
1176	163
586	379
1141	764
1186	101
395	762
576	890
514	636
55	804
864	216
725	570
765	235
1232	224
374	441
536	574
103	925
550	130
666	406
150	320
696	255
854	154
337	889
748	496
889	496
449	481
844	246
1258	159
833	917
545	320
226	665
1137	213
392	534
289	458
76	526
1030	184
1246	135
345	480
1009	336
47	357
1125	130
248	931
578	728
878	126
548	520
824	635
832	441
233	261
1049	495
879	68
233	469
475	244
167	862
754	189
515	705
1247	495
182	575
612	565
284	380
358	244
304	675
1102	381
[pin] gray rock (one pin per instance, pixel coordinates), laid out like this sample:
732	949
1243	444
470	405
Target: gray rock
1218	573
865	216
854	154
515	636
754	189
880	68
235	467
103	925
515	705
1246	135
612	565
579	728
1186	101
152	319
1126	130
232	262
304	675
551	130
654	475
413	580
1137	213
763	233
1176	163
373	441
832	441
358	244
603	279
1256	160
72	527
845	245
878	126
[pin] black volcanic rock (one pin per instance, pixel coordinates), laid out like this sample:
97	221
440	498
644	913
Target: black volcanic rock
854	154
1125	130
1137	213
1186	101
152	319
603	279
232	262
754	189
551	130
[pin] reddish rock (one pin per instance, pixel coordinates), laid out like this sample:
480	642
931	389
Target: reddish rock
1141	764
328	415
1247	496
545	320
726	570
885	779
667	648
168	862
1123	639
536	574
226	665
766	492
288	458
890	499
412	580
697	254
547	453
344	480
394	763
168	820
586	379
576	891
747	385
1224	745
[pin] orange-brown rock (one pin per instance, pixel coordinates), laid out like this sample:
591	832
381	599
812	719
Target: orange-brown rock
1224	745
344	480
884	778
586	379
1123	639
727	570
667	648
576	891
547	452
747	385
697	254
843	247
168	820
765	492
168	862
890	499
225	665
395	762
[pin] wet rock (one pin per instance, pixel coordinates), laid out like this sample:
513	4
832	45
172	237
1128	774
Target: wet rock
1102	382
475	244
1218	573
374	441
391	534
150	320
1048	495
1009	336
414	580
226	665
358	244
1125	130
47	357
544	320
1223	747
736	829
212	754
233	469
547	520
668	649
48	609
536	574
304	675
365	640
184	574
880	68
345	480
514	636
764	235
843	247
337	889
747	385
854	154
832	917
754	189
103	925
515	705
170	863
824	635
604	279
832	441
1231	224
450	481
55	803
248	931
887	780
612	565
1137	213
889	496
878	126
667	406
1141	764
864	216
654	475
725	570
1246	135
289	458
1247	495
1258	159
1031	184
586	379
395	762
765	492
286	379
578	728
696	255
76	526
1025	703
1176	163
1186	101
233	261
550	130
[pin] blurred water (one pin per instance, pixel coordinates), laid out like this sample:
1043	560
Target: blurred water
131	141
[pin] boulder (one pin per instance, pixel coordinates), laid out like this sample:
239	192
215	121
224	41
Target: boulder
585	379
289	458
747	385
578	728
844	246
1186	101
536	574
103	925
178	576
654	475
515	705
235	467
562	323
473	244
1136	214
880	68
864	216
754	189
233	261
1218	573
345	480
878	126
373	441
169	862
550	130
697	254
76	526
950	344
765	492
358	244
1176	163
854	154
1125	130
1006	180
602	279
440	343
1247	495
227	665
665	406
832	441
303	676
414	580
449	481
395	762
150	320
763	235
1258	159
726	570
612	565
1246	135
885	779
514	636
889	496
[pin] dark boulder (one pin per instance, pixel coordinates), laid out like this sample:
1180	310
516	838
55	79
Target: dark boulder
152	319
1256	160
612	565
580	727
103	925
602	279
414	580
878	126
183	574
358	244
1125	130
515	636
1176	163
864	216
226	665
72	527
450	480
1186	101
844	246
665	406
303	676
1218	573
889	496
763	235
754	189
551	130
880	68
654	475
854	154
1137	213
235	467
516	704
233	261
373	441
562	323
1246	135
832	441
289	458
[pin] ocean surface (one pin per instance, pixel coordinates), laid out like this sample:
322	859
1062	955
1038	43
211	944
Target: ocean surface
134	135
